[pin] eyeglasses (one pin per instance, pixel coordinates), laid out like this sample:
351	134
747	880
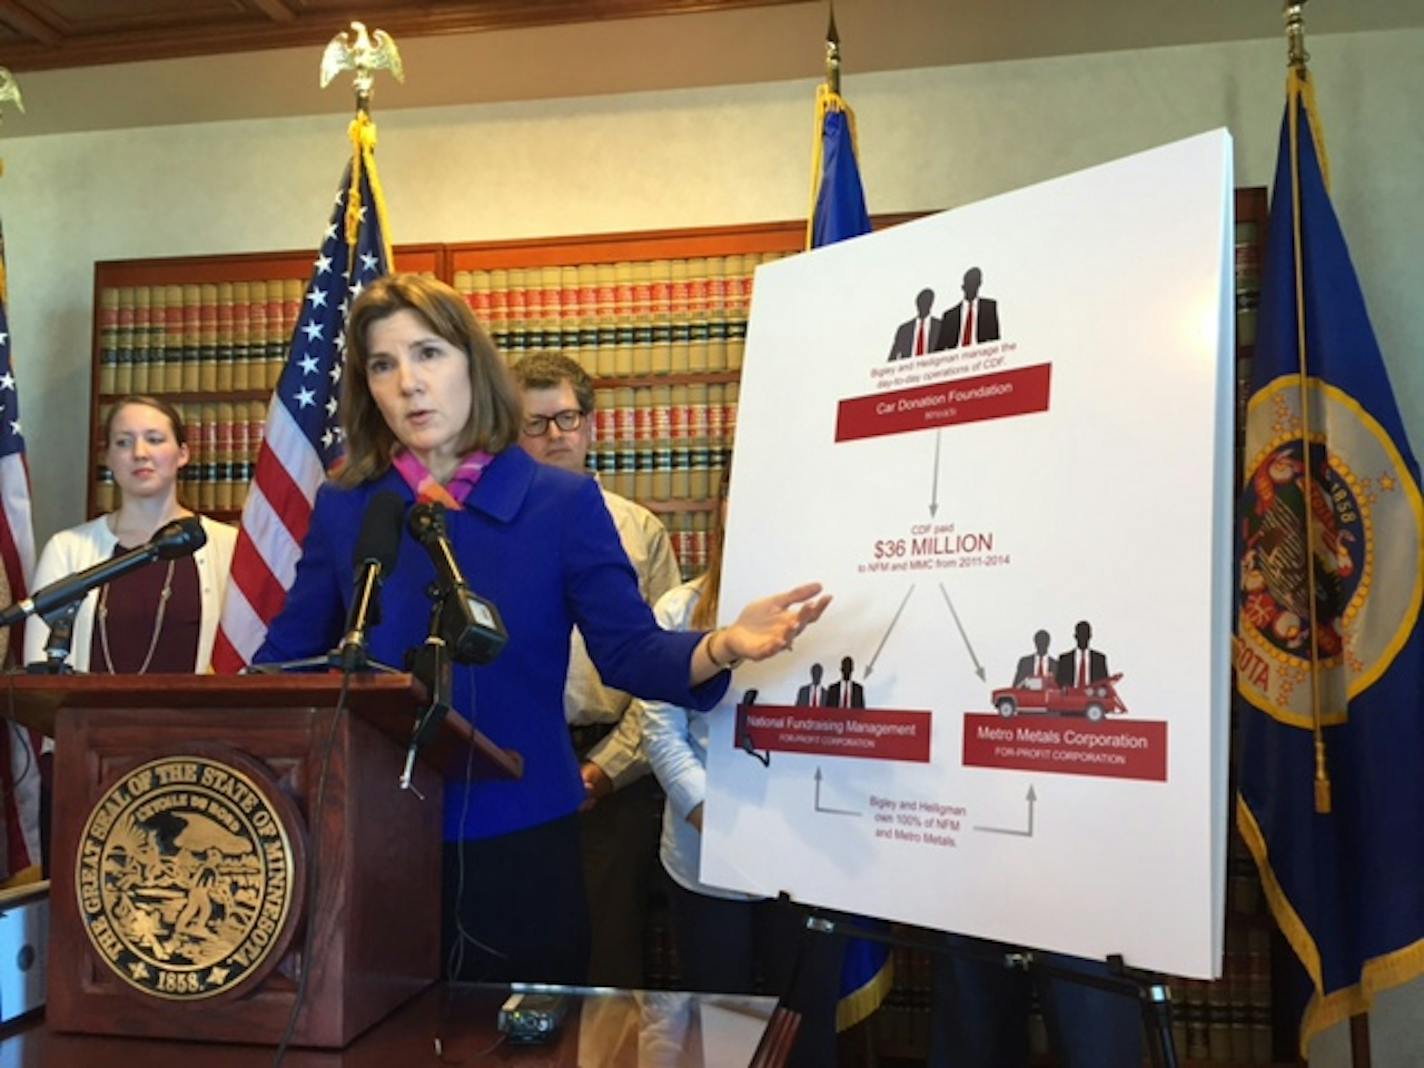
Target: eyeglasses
536	426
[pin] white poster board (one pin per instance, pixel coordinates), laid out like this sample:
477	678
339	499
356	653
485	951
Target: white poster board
1059	462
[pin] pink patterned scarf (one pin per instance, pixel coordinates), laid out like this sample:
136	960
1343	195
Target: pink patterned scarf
429	490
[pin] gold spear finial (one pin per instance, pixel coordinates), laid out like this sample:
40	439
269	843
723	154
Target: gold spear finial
1295	34
833	54
365	54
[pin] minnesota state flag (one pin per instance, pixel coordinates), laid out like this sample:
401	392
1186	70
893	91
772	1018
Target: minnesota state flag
1330	652
838	212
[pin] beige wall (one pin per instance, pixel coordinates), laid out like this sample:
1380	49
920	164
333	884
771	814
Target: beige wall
929	138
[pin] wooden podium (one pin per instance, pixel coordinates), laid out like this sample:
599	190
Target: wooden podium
182	839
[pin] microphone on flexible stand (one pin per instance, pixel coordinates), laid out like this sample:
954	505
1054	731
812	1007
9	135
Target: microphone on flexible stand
58	602
470	625
464	628
374	559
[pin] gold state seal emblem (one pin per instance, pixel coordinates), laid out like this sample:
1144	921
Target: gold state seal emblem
185	877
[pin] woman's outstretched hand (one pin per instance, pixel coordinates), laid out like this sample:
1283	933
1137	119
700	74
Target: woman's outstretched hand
770	625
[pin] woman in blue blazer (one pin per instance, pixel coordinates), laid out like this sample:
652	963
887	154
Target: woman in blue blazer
430	413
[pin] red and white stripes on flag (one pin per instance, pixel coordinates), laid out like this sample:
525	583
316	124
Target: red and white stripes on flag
302	440
19	746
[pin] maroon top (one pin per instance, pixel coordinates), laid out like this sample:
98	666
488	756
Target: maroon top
133	608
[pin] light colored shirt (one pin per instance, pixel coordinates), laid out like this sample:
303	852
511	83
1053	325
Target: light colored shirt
586	700
676	741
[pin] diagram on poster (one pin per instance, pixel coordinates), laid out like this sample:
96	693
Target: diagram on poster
1001	437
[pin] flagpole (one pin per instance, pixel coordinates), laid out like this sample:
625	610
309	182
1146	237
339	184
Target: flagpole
1296	80
1299	80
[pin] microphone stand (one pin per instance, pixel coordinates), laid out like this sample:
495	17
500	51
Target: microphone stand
432	665
61	636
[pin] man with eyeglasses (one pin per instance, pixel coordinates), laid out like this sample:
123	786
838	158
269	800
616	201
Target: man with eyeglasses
622	817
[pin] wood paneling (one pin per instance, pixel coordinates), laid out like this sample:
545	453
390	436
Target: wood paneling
46	34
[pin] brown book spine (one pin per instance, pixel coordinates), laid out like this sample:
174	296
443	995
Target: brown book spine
678	301
241	337
642	318
662	443
605	452
716	314
643	443
697	329
277	333
223	473
569	339
716	429
142	353
679	417
108	341
605	324
250	373
124	360
623	331
660	313
184	374
699	459
208	480
499	309
517	301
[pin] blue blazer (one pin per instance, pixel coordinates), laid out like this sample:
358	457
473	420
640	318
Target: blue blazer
540	544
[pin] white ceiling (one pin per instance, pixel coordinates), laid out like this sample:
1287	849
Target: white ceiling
678	51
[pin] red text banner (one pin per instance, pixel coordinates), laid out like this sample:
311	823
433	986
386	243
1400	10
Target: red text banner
963	400
1113	749
869	734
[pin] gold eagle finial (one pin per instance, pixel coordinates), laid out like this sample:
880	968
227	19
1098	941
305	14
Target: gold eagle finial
355	50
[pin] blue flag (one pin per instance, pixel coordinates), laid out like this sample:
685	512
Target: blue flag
1329	653
838	212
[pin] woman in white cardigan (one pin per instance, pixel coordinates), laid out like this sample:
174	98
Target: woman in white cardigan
160	618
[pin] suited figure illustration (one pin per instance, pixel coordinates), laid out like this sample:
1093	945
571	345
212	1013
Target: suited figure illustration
813	694
973	319
1082	664
1037	664
920	334
846	694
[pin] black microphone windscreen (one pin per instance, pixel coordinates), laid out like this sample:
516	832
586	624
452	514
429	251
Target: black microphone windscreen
381	531
181	537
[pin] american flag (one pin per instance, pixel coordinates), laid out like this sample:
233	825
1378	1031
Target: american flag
303	435
19	771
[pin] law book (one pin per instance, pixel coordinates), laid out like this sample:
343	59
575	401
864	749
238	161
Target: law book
697	315
643	443
518	308
569	341
662	443
222	353
255	354
284	297
499	309
642	318
142	356
208	482
108	341
124	354
739	292
605	323
207	337
678	418
717	313
623	329
183	373
241	337
680	314
660	316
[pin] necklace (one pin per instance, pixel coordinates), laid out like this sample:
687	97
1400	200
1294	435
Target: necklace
158	617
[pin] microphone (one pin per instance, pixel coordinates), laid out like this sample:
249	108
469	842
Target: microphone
469	624
181	537
374	559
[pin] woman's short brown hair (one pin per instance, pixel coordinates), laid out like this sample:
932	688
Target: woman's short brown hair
495	409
